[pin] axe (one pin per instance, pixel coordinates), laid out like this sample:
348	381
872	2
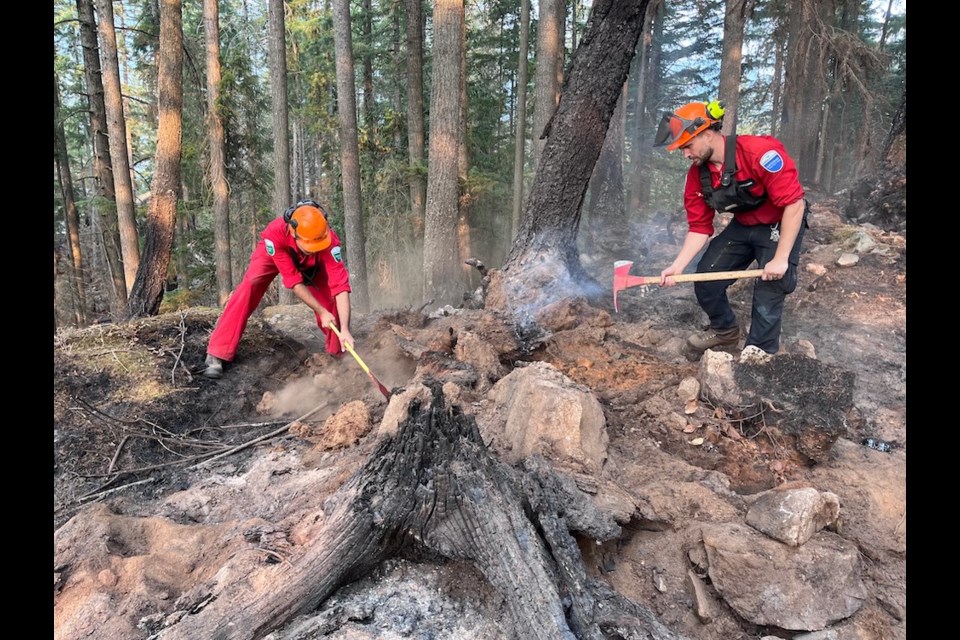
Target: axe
363	365
623	280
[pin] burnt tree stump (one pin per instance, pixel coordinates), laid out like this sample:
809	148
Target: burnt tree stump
434	487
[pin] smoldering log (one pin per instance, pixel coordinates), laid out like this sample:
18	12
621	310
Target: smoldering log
433	487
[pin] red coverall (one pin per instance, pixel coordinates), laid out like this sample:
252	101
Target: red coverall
277	252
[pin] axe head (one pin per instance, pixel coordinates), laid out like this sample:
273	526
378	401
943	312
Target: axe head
623	280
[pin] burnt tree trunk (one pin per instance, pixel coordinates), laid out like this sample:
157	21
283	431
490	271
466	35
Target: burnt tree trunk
544	256
435	487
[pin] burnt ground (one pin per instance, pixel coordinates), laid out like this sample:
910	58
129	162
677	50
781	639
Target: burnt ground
134	424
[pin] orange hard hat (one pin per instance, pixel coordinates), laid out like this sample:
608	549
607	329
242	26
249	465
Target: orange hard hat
678	128
308	224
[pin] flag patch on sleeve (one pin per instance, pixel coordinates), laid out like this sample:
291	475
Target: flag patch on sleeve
771	161
335	252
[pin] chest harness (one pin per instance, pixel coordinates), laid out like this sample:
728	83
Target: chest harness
731	196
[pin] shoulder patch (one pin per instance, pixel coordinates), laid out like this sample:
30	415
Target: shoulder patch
335	252
271	250
771	161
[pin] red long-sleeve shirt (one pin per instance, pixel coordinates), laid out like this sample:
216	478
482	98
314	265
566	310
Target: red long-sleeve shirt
765	160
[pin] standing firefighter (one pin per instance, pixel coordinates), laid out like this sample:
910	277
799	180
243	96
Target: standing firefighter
755	179
305	251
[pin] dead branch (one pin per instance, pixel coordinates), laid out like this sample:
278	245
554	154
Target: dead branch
102	494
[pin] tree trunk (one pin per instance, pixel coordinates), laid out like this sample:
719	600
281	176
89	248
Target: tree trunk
434	487
607	213
370	116
520	140
71	217
463	172
441	269
350	154
546	77
638	197
110	234
805	86
218	164
544	264
281	128
151	280
117	130
415	133
735	17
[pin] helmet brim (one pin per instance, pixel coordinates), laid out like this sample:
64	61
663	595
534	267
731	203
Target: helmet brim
316	245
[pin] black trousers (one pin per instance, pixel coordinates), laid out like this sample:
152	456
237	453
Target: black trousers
733	249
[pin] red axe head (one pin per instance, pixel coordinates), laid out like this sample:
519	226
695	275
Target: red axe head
622	279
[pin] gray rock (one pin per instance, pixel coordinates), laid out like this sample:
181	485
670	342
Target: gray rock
806	588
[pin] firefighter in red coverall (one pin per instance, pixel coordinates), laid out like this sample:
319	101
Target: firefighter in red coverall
305	251
754	178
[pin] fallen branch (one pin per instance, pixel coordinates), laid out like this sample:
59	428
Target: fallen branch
254	441
101	494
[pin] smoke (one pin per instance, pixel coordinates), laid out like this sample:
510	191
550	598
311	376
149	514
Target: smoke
298	398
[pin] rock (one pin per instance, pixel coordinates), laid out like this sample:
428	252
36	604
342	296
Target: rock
704	604
848	260
804	588
792	516
689	389
547	413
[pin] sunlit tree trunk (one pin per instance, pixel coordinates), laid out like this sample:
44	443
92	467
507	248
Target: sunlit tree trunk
463	170
70	215
149	285
415	132
548	73
370	116
110	234
521	118
440	255
117	130
350	154
218	167
731	58
281	128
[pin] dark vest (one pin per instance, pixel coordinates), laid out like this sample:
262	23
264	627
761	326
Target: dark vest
731	196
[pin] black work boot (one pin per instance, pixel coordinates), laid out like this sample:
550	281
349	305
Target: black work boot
703	340
214	367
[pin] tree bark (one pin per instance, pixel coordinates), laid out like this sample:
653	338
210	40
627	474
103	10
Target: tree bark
638	197
548	73
441	268
150	283
350	154
71	217
277	54
544	263
520	140
117	130
463	172
218	164
110	234
434	486
805	86
415	133
734	19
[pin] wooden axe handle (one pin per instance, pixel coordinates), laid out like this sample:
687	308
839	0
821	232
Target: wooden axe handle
714	275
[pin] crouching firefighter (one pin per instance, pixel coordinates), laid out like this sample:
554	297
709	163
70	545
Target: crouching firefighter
754	178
